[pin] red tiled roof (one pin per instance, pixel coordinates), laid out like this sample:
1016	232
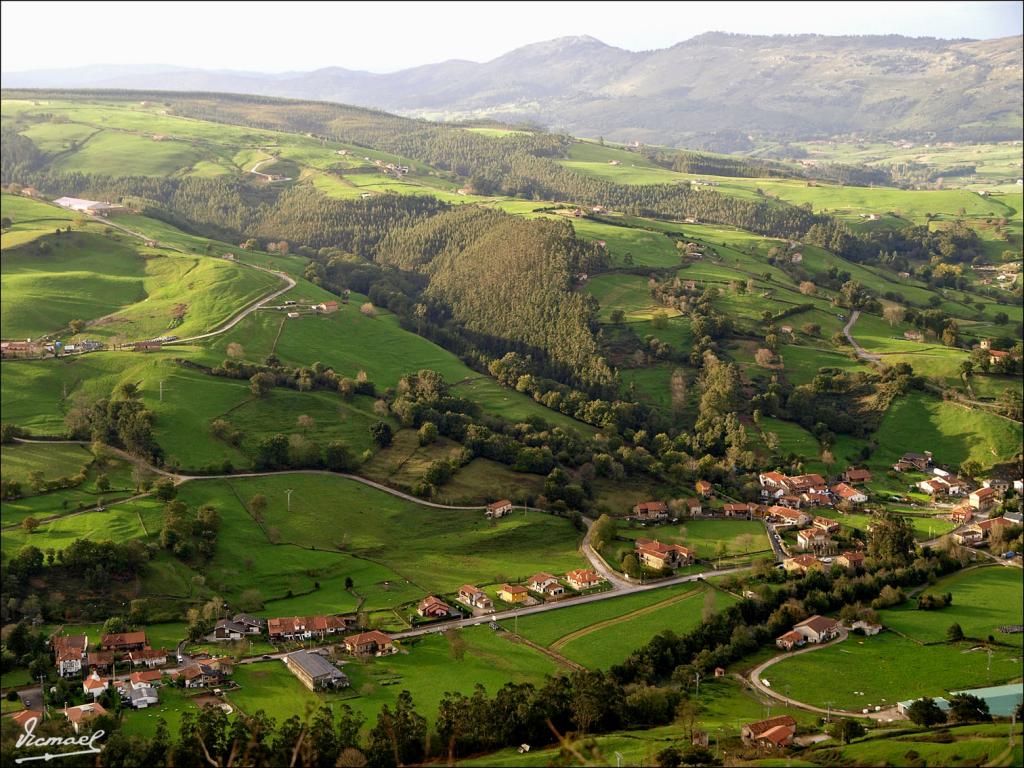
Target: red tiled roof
761	726
845	491
651	506
124	638
372	636
498	504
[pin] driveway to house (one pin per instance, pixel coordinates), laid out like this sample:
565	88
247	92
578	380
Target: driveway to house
757	674
256	170
862	353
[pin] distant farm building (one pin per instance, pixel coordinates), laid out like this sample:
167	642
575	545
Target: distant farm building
95	207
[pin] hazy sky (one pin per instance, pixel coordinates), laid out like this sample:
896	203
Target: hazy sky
385	36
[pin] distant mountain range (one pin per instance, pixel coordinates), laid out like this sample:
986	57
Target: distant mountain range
712	90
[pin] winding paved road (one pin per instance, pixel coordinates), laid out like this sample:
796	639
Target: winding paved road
756	675
862	353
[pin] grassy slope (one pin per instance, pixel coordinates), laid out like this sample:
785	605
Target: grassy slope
888	668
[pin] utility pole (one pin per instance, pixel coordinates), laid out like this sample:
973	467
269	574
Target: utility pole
161	390
828	711
698	685
288	493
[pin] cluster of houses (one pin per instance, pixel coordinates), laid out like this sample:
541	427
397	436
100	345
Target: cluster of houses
813	490
72	656
851	560
982	531
544	586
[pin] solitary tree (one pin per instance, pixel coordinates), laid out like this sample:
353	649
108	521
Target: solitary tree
926	712
29	525
846	730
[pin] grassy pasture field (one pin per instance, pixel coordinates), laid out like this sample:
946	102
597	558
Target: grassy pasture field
138	292
645	248
436	550
925	527
427	668
18	460
626	292
740	537
966	746
548	628
888	668
919	422
603	645
31	219
725	706
983	599
124	154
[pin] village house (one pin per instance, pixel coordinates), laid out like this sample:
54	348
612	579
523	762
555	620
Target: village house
100	661
650	510
582	579
306	627
816	499
69	653
850	560
1014	517
200	675
144	679
692	507
910	462
498	509
124	641
913	335
818	629
540	581
327	307
19	349
773	733
372	643
866	627
79	716
826	524
94	685
815	540
969	536
475	598
961	514
654	554
792	501
849	494
21	718
784	516
143	697
738	510
997	484
855	476
790	640
983	499
801	564
315	672
149	657
513	593
996	356
435	608
704	488
237	627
